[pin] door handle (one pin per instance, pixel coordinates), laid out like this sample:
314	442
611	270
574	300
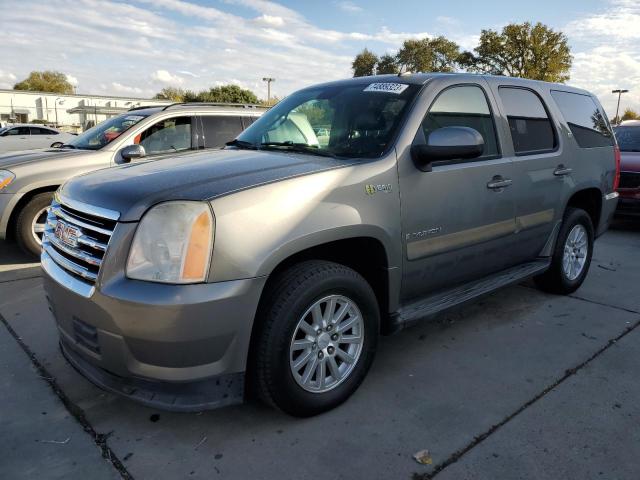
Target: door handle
561	170
498	183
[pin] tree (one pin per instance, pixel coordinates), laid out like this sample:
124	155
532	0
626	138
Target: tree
46	81
364	64
228	94
175	94
387	64
428	55
630	114
521	50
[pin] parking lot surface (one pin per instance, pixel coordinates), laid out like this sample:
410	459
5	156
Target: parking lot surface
518	385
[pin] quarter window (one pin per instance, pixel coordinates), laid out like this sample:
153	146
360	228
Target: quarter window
169	135
531	129
463	106
589	126
219	130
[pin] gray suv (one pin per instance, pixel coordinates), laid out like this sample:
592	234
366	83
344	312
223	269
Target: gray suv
28	179
348	210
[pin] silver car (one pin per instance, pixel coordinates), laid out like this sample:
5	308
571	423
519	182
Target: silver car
276	263
28	136
28	179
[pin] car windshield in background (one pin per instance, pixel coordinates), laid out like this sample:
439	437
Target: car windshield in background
104	133
353	121
628	138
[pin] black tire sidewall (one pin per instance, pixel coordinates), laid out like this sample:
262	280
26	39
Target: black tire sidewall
24	236
285	391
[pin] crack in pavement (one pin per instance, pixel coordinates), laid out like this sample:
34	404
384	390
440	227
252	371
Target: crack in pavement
458	454
19	279
100	439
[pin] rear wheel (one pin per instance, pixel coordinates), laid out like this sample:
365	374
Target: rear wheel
572	255
317	338
31	223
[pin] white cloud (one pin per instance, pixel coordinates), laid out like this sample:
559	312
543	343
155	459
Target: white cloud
188	73
349	7
270	20
7	79
72	80
125	89
163	76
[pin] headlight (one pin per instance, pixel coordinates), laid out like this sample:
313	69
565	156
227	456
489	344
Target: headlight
172	244
6	177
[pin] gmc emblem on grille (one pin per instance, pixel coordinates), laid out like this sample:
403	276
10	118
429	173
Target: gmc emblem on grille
67	234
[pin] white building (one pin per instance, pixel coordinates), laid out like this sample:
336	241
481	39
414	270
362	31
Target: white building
69	112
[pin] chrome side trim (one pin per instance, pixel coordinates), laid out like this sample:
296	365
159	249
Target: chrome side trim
79	254
63	278
59	213
86	208
68	264
611	196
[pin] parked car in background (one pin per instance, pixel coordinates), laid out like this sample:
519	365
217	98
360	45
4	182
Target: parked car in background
628	136
277	262
28	179
28	137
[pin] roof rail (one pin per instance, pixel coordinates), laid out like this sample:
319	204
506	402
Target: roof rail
214	104
142	107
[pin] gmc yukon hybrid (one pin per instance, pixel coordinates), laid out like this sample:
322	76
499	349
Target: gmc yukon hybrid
348	210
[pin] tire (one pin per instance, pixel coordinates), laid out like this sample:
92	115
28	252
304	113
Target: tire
557	279
25	222
287	306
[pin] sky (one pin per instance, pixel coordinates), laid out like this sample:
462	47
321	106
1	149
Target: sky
136	48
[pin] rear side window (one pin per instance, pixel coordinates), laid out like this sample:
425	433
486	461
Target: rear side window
218	130
531	129
42	131
589	126
463	106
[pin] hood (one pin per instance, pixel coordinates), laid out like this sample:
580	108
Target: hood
12	159
132	189
630	161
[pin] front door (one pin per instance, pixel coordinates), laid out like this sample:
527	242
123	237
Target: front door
458	219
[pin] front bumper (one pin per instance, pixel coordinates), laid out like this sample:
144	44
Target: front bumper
177	347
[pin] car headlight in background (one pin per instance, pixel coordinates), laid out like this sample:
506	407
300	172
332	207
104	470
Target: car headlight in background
173	244
6	177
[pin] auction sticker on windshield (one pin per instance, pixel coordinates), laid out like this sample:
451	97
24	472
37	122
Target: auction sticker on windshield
396	88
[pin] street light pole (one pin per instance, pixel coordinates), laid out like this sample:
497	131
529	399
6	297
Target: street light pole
268	80
619	92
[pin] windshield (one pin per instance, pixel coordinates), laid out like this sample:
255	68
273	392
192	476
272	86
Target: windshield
354	121
104	133
628	138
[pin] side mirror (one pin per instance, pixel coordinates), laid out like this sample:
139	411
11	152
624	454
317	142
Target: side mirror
56	144
131	152
448	143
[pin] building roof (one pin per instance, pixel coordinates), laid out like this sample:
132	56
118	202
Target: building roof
79	95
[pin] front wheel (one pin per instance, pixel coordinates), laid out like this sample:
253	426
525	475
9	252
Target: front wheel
572	256
317	338
31	223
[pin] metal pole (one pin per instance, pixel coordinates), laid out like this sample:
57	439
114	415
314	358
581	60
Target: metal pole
619	92
268	80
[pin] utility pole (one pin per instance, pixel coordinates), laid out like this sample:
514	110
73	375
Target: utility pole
619	92
268	80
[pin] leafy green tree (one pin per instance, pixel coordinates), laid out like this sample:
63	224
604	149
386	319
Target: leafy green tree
175	94
364	64
228	94
521	50
46	81
387	64
428	55
630	114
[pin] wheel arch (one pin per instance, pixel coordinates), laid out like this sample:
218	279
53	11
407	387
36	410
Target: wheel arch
588	199
21	203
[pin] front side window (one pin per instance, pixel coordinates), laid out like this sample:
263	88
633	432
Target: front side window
463	106
628	138
350	121
169	135
531	129
588	124
104	133
220	129
17	131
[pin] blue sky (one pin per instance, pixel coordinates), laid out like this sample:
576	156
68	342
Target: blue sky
138	47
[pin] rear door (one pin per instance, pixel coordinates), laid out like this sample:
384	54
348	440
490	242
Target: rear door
218	129
541	167
457	225
42	137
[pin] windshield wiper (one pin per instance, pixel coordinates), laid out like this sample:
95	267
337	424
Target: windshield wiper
298	148
241	144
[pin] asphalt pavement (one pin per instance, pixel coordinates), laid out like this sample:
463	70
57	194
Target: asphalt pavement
518	385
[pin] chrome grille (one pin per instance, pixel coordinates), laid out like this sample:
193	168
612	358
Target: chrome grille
92	228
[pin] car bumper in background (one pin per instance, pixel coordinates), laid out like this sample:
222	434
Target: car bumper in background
629	204
177	347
